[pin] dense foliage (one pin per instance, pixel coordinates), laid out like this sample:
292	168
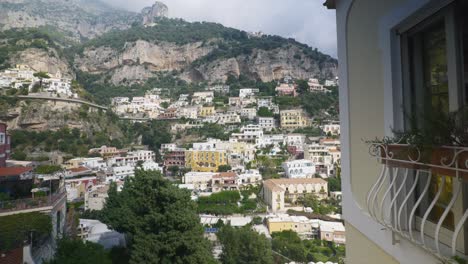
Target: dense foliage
244	246
17	228
66	140
79	252
289	244
47	169
159	219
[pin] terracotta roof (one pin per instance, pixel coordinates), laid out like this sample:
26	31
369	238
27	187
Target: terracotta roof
225	175
14	171
14	256
269	184
79	169
299	181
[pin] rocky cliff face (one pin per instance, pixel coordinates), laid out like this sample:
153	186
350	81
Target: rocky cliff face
41	60
78	18
266	66
139	60
48	115
156	11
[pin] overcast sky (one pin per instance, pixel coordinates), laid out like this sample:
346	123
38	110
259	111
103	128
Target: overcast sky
307	21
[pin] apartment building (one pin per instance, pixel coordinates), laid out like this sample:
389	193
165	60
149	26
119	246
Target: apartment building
4	145
248	92
294	119
266	123
106	151
275	191
286	89
207	111
299	224
95	197
189	112
96	163
205	160
299	169
315	86
333	129
200	98
199	180
414	56
321	156
174	157
249	113
249	134
132	158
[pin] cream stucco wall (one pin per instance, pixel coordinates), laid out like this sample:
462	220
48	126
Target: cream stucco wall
364	44
359	249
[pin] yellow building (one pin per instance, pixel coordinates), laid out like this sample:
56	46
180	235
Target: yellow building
298	224
293	119
205	160
207	111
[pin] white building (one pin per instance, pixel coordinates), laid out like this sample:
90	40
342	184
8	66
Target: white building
296	140
315	86
266	123
199	180
249	134
333	129
132	158
189	112
320	155
95	198
151	166
249	177
202	97
224	118
268	140
98	232
299	169
247	92
249	113
120	173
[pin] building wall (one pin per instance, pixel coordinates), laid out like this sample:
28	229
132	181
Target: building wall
280	226
359	249
364	27
205	161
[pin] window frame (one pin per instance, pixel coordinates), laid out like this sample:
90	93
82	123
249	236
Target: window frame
401	78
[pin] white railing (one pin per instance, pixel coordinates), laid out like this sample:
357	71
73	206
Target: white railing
399	198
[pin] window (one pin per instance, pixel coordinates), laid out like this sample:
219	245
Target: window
435	80
2	138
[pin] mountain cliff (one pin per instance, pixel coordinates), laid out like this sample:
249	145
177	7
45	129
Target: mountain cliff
120	48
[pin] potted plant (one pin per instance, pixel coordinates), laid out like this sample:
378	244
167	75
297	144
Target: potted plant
436	138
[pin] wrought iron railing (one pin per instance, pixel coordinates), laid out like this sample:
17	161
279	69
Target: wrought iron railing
31	203
399	198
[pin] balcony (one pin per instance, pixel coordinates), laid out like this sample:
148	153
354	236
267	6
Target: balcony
32	204
409	189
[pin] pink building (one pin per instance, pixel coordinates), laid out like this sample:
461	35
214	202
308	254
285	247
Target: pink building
285	89
5	142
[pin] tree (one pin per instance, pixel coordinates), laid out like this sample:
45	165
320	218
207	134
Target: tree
224	168
159	219
174	170
165	105
334	184
41	75
264	112
79	252
302	86
244	246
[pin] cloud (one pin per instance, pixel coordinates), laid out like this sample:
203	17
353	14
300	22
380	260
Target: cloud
307	21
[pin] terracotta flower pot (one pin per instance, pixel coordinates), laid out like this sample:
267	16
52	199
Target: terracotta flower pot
400	156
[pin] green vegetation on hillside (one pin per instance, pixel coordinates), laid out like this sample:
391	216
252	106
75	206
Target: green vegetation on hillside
290	245
243	246
159	219
19	227
71	251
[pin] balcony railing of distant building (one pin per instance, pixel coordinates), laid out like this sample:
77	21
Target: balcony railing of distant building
32	203
399	198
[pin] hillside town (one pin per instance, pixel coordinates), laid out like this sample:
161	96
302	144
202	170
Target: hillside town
283	176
